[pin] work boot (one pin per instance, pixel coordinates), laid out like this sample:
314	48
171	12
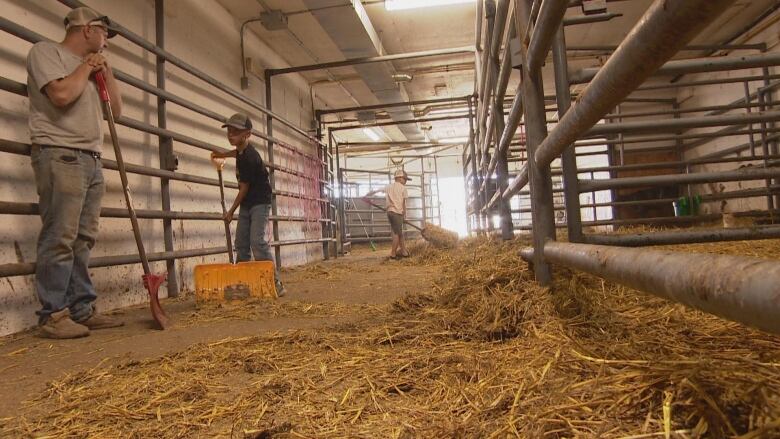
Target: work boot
60	325
100	321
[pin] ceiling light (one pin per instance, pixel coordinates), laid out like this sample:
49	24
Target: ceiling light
402	77
371	134
397	5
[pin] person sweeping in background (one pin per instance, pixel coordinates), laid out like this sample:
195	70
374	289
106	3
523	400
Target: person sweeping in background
395	198
254	196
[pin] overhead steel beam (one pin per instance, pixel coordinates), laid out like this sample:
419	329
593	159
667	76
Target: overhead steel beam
393	104
372	59
400	122
738	288
690	47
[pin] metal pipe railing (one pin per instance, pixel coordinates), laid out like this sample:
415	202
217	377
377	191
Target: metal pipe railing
165	135
738	288
140	41
549	21
15	208
743	174
21	89
24	149
697	65
638	127
27	268
665	28
685	236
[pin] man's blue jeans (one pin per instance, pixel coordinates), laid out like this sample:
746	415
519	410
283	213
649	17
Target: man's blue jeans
70	188
250	236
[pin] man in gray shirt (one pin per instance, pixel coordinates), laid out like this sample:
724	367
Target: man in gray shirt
67	137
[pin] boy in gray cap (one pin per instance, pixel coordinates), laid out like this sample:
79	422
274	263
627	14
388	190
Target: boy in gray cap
67	136
254	195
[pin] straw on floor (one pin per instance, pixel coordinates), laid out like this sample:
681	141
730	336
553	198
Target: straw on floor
487	353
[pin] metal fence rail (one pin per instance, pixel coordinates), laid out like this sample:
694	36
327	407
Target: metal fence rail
648	182
166	172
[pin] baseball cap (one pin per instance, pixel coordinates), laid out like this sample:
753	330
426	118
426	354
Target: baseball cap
401	173
86	16
239	121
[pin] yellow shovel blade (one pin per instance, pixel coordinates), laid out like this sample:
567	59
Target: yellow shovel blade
228	282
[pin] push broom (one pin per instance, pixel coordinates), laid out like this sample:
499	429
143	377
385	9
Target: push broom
151	281
438	236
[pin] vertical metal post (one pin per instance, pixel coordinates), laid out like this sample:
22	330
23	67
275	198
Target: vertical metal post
502	172
621	145
165	151
571	191
680	151
748	101
324	205
489	77
438	194
542	214
497	107
423	192
773	145
593	200
770	202
371	211
269	129
466	190
340	203
475	180
332	201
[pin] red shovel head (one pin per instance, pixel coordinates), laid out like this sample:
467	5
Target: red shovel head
152	284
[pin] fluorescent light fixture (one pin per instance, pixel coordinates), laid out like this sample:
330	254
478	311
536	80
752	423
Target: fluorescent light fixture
397	5
454	140
371	134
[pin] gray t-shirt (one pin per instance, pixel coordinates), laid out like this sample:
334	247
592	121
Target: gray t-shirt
78	125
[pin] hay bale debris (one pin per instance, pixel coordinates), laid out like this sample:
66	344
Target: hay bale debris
439	236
